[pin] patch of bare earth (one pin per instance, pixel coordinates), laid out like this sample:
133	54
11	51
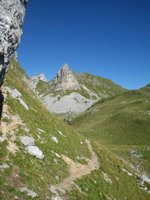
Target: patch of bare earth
77	171
10	128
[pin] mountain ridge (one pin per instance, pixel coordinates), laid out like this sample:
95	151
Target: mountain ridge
70	92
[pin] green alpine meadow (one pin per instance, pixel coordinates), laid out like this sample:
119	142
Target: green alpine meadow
74	100
115	165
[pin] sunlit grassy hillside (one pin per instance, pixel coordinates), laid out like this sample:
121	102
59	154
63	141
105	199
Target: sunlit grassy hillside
55	139
122	123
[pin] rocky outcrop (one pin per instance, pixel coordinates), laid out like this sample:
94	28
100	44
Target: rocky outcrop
40	77
29	192
12	14
36	79
66	80
15	94
30	147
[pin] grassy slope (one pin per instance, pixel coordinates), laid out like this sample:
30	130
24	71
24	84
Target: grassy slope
99	85
122	123
36	174
119	187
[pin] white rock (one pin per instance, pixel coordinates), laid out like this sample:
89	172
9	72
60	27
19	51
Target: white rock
135	154
35	151
27	141
34	80
29	192
23	104
145	178
128	173
66	80
3	137
55	139
53	190
4	166
14	93
73	102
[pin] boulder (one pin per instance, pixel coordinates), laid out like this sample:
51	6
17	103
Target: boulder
27	141
30	193
35	151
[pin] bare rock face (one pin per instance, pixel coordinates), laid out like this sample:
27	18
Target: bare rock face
12	14
66	80
34	80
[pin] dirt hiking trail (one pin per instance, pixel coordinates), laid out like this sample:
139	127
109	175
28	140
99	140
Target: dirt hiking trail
77	171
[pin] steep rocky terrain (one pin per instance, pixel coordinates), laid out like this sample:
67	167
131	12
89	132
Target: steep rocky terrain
33	143
12	14
72	93
43	158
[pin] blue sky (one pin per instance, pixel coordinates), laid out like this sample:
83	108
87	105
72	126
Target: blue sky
109	38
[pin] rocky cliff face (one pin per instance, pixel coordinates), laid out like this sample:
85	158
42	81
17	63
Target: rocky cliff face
12	14
66	80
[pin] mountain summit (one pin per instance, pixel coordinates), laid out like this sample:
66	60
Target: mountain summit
70	92
66	80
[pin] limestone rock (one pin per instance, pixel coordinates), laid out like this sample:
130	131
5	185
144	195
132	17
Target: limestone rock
55	139
4	166
14	93
12	14
74	103
30	148
27	141
66	80
30	193
71	93
36	79
145	178
35	151
3	137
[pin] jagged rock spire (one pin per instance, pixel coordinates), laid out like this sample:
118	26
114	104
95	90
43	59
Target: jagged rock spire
66	80
63	72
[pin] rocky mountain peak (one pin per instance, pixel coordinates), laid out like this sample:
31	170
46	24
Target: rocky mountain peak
39	77
64	71
34	80
65	67
42	77
66	80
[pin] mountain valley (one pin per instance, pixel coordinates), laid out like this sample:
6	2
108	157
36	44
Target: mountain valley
103	153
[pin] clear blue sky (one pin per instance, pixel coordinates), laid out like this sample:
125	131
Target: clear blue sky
109	38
